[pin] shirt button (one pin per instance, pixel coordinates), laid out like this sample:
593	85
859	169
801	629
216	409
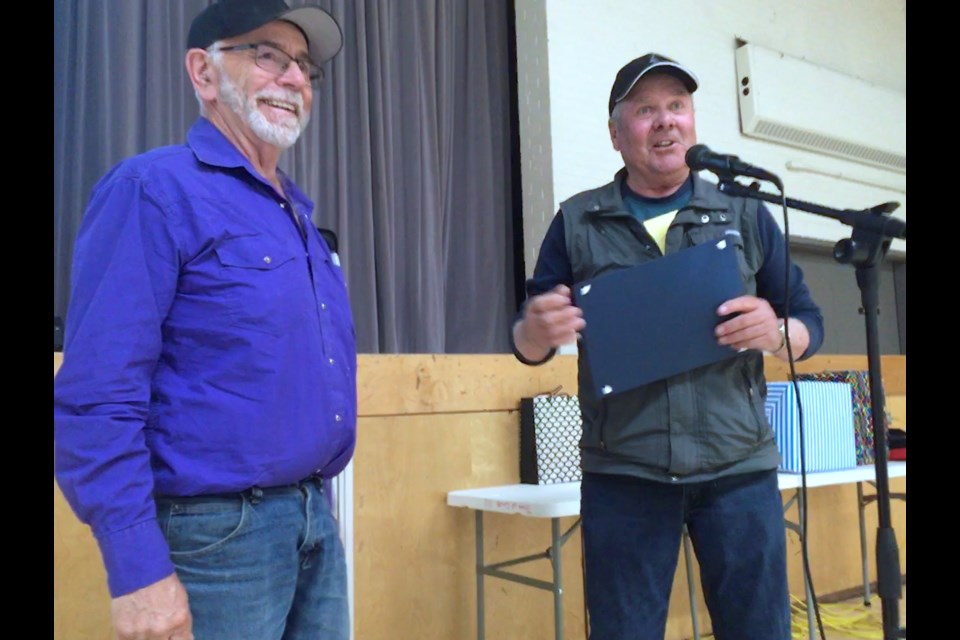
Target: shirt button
283	205
338	418
267	259
331	360
323	305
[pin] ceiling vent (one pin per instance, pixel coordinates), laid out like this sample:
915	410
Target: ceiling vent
797	103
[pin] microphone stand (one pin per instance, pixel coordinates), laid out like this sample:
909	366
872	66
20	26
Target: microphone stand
865	249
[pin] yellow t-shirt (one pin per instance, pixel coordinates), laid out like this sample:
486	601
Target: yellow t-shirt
657	227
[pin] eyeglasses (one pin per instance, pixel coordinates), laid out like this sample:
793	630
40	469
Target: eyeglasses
273	60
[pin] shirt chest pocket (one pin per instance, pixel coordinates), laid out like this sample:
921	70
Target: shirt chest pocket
705	227
262	285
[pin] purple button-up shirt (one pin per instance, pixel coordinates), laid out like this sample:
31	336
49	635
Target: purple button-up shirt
209	347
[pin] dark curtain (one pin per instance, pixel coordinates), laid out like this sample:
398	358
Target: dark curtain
407	154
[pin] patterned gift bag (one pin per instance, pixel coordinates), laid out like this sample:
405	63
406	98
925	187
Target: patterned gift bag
550	429
862	413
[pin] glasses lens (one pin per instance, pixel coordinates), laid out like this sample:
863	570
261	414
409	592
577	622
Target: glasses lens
276	61
271	59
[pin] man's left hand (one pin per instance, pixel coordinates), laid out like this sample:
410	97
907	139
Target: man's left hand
755	325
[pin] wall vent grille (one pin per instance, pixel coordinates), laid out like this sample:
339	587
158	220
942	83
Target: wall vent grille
794	102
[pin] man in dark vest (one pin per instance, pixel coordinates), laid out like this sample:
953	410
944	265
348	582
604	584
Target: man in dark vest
694	449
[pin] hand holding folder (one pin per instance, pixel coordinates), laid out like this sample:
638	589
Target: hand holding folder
657	319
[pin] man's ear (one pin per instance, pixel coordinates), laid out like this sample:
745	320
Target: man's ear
202	75
613	134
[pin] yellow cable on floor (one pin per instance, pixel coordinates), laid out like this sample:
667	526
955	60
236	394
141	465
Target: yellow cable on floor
852	619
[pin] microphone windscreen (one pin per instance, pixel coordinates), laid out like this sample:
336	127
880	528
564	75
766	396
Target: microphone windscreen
696	155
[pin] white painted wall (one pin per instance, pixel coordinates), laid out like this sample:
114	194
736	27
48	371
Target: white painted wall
343	508
588	42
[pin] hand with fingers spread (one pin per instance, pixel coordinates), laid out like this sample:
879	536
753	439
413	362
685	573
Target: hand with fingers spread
549	320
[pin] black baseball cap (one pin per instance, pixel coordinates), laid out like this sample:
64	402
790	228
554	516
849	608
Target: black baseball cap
631	72
229	18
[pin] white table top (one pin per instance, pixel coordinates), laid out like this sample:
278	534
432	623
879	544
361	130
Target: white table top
863	473
559	500
539	501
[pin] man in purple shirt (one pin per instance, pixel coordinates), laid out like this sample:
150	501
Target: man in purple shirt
208	387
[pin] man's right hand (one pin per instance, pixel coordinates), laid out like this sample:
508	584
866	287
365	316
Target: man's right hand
549	320
156	612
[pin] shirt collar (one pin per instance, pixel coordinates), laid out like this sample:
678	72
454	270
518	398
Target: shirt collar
683	193
211	147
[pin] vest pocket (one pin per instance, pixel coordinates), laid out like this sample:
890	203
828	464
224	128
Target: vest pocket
756	401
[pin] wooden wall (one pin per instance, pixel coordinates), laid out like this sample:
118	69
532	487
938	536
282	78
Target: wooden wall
435	423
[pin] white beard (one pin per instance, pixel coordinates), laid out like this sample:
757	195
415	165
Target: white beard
281	134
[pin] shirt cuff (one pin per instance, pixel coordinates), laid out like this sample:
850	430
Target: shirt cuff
814	330
524	360
135	557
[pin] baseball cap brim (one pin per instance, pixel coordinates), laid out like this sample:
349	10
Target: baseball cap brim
324	38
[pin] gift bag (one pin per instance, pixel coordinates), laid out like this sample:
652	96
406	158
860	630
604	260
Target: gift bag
828	434
550	429
862	413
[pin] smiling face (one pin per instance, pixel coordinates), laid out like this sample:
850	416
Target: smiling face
652	128
261	106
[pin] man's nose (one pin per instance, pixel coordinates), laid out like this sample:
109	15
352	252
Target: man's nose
293	76
663	119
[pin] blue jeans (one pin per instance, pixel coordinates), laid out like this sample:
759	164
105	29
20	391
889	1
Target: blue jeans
632	532
265	564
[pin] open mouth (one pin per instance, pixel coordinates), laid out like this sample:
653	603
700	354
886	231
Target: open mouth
280	104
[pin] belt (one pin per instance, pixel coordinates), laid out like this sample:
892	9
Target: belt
255	493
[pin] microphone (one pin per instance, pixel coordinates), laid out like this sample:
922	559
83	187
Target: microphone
700	157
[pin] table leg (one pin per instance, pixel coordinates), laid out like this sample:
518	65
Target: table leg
480	569
690	585
861	506
555	547
811	614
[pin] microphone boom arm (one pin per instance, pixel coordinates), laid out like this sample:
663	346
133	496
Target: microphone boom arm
875	219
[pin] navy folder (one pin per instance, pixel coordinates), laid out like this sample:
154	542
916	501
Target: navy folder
656	319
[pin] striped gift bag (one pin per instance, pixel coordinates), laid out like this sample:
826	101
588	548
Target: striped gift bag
862	411
829	439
